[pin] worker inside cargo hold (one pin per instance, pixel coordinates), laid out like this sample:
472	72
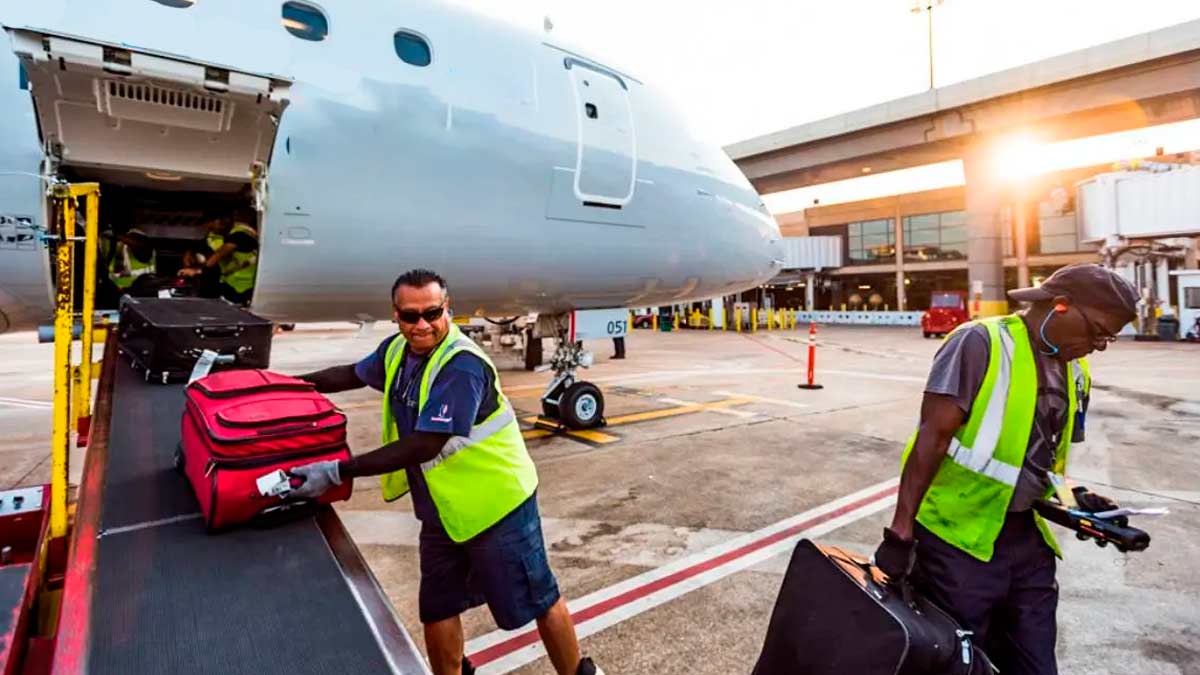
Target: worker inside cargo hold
126	258
227	260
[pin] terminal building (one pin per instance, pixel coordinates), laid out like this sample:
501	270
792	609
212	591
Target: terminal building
993	230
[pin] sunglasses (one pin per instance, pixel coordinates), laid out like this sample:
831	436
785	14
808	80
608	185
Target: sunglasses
413	316
1097	335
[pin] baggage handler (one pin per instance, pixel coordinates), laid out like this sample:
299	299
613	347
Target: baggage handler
1004	400
129	257
451	439
230	260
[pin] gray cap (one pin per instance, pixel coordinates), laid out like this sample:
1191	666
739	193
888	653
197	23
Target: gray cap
1086	284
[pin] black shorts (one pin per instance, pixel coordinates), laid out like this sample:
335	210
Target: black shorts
505	566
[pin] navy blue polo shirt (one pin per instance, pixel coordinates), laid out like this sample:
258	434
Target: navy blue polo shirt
463	395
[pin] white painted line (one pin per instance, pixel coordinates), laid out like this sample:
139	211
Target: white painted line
26	403
764	399
720	411
503	651
870	376
149	523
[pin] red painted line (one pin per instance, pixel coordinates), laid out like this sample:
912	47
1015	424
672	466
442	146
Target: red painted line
529	637
777	350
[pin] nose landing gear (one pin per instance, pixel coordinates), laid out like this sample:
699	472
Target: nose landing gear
568	402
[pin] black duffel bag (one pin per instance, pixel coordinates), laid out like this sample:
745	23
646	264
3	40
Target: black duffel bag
837	615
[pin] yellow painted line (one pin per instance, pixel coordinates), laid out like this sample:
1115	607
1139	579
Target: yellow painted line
585	434
678	410
722	410
765	399
594	436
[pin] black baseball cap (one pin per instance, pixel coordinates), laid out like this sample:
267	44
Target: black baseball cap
1087	284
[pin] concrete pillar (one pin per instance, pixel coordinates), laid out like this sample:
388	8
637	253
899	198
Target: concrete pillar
985	217
901	296
810	291
1162	278
718	312
1021	209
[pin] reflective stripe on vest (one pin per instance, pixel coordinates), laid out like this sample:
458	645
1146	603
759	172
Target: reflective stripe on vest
967	501
132	267
491	472
980	457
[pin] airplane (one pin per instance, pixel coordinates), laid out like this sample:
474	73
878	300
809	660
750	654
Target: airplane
364	141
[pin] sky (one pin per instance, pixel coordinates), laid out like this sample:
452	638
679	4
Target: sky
742	68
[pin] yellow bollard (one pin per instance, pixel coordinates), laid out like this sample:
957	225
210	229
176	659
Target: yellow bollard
793	319
737	319
675	321
712	318
654	321
753	319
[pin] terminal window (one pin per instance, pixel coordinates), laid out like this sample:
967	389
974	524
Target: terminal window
871	241
1191	298
935	236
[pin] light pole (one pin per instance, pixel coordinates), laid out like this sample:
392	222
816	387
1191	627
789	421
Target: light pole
927	6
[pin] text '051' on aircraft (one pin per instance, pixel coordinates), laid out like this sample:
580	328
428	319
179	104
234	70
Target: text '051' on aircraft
361	142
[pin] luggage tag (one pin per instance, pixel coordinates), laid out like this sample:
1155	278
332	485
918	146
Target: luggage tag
208	359
274	484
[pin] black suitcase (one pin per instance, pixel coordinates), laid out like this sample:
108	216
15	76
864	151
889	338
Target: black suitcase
837	615
164	337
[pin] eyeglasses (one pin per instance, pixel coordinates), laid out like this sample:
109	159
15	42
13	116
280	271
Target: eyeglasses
1097	335
413	316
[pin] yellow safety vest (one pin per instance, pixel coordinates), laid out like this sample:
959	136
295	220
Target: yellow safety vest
239	268
968	500
475	480
124	268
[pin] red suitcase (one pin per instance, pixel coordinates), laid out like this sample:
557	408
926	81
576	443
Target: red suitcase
239	425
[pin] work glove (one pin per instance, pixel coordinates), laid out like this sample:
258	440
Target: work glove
896	556
318	477
1091	502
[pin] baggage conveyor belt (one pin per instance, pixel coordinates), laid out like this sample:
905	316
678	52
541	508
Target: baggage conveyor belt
147	590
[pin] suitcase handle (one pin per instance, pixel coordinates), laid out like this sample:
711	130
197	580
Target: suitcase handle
277	430
218	331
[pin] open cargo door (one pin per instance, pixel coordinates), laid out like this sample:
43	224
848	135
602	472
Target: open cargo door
149	117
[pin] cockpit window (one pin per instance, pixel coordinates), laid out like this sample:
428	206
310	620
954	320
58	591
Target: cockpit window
412	48
305	21
178	4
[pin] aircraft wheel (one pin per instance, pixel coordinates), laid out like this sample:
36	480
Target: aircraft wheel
582	406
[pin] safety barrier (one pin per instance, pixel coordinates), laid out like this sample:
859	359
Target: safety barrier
862	318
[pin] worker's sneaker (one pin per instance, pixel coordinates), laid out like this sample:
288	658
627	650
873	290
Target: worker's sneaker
467	667
586	667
